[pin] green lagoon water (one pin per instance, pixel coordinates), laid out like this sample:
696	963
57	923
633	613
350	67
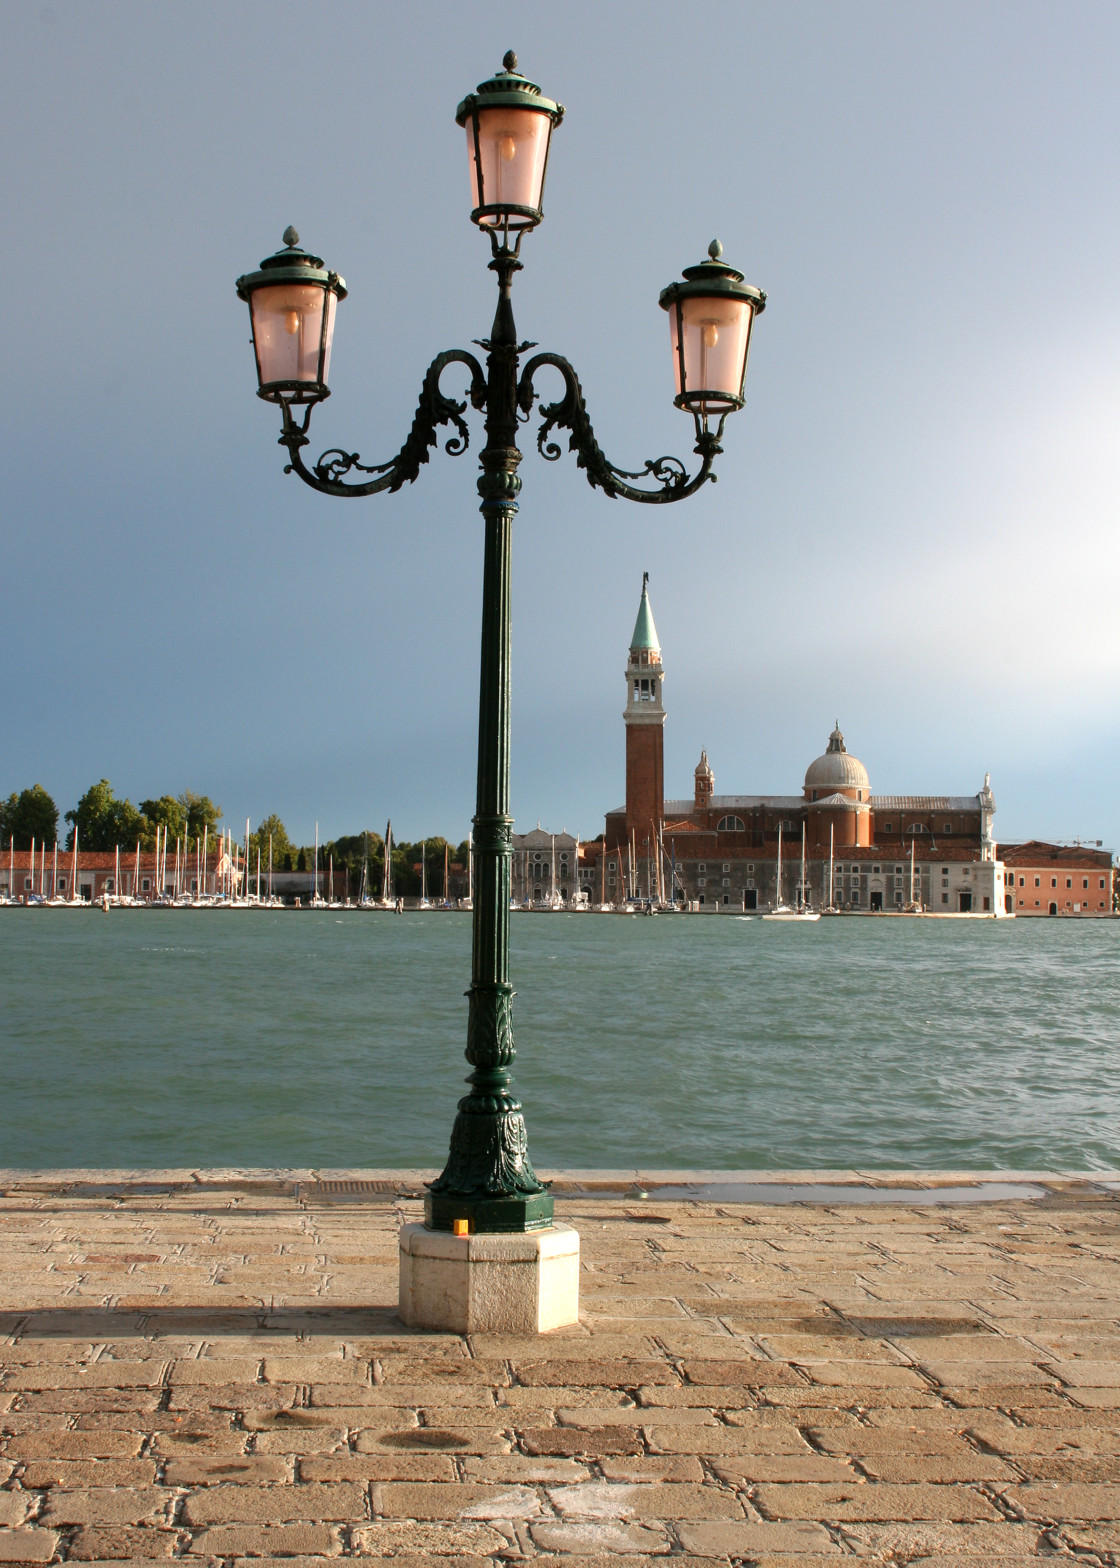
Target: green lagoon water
176	1038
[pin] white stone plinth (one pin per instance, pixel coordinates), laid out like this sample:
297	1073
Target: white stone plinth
525	1283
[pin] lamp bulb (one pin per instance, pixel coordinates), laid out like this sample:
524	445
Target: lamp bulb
291	322
711	334
507	147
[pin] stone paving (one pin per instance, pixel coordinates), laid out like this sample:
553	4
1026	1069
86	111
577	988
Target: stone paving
212	1369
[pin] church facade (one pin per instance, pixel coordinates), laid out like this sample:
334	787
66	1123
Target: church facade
863	852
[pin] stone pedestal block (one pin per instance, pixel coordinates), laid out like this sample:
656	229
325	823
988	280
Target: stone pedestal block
489	1283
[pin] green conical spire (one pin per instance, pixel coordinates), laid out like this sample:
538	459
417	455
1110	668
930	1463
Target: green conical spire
645	632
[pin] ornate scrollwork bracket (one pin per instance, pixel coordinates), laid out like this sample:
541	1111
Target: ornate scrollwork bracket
570	413
434	410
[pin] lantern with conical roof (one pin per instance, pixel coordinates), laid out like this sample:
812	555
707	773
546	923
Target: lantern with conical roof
509	125
710	318
291	302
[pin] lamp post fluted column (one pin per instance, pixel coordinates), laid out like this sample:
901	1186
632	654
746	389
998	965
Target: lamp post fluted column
489	1180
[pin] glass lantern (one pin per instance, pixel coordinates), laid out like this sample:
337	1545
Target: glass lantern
509	125
292	303
710	320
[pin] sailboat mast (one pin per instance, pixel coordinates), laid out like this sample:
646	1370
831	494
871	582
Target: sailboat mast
423	871
911	871
778	899
802	901
270	868
831	836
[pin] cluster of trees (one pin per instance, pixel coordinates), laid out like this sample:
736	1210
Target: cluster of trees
31	814
349	851
103	822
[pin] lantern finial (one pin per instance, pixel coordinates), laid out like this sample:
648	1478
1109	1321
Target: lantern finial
509	60
715	250
291	236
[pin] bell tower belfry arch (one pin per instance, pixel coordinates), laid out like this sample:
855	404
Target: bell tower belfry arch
644	717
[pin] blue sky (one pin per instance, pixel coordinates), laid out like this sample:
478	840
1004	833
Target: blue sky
914	527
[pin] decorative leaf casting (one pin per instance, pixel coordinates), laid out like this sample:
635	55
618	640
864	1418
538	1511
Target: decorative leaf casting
570	413
434	409
489	1156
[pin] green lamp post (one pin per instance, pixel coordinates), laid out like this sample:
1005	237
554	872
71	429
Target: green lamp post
489	1181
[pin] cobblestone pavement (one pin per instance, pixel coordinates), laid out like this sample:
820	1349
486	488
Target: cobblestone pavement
214	1370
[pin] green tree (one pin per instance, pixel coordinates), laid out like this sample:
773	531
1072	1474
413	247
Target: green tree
103	821
31	814
201	813
406	867
281	843
348	853
166	812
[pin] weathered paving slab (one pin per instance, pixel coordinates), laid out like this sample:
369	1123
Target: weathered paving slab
209	1366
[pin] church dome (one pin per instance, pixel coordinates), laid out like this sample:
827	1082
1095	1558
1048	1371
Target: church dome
836	770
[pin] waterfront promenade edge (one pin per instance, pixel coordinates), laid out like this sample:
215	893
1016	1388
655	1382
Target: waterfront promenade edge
208	1365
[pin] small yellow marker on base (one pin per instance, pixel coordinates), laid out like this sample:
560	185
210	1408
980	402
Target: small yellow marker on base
461	1227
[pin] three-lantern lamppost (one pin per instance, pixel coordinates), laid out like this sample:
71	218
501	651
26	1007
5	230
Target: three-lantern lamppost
489	1181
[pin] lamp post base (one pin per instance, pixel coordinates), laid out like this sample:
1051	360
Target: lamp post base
516	1212
488	1283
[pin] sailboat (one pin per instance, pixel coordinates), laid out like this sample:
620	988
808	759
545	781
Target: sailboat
831	908
468	902
423	904
386	900
783	911
316	901
914	907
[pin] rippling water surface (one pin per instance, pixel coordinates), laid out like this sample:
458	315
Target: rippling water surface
180	1038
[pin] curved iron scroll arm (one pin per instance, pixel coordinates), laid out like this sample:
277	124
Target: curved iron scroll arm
434	409
570	413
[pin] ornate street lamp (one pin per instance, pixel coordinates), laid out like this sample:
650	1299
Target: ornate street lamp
489	1181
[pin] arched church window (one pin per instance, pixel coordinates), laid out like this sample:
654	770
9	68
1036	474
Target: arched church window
729	825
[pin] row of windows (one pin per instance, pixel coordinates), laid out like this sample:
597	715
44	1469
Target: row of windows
1054	881
917	827
1054	908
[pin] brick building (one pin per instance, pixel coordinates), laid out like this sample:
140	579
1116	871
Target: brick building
1058	879
881	852
90	875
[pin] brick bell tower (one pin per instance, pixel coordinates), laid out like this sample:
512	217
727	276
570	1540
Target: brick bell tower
644	717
